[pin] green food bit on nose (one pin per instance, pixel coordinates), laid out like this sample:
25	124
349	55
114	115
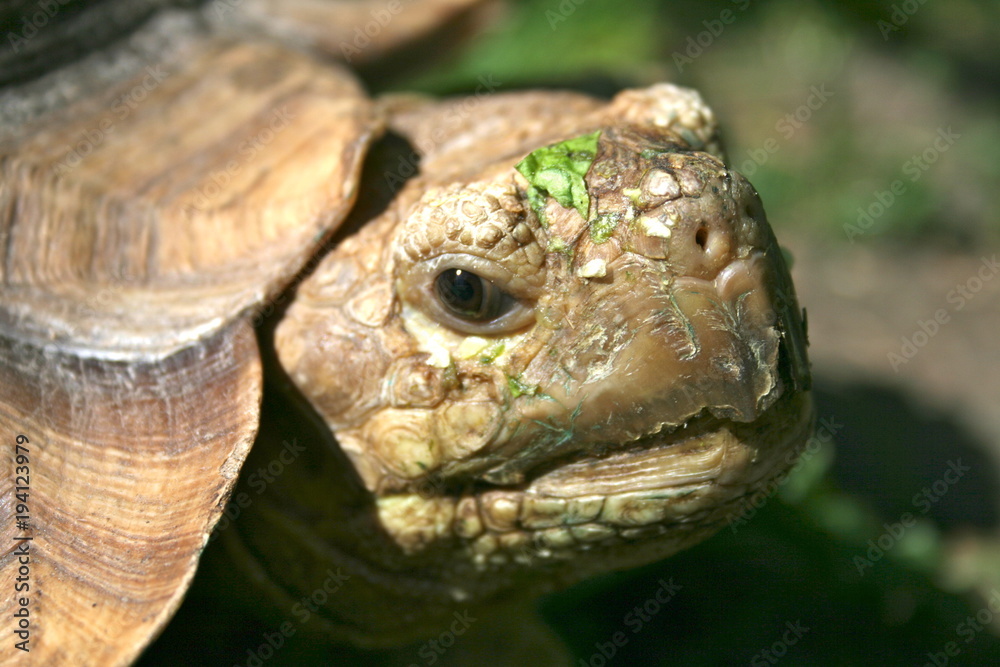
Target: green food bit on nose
558	171
518	387
491	353
603	226
634	194
650	153
558	245
536	199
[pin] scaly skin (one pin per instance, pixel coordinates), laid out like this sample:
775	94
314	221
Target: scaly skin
651	376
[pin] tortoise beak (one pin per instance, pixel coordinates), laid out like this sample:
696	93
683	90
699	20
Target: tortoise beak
693	315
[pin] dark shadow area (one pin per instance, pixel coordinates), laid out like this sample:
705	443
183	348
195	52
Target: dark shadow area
900	457
596	84
778	590
435	47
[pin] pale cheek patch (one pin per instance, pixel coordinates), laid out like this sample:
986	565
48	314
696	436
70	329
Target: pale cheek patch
446	346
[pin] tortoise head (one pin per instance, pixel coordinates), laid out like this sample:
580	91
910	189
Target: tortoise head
584	353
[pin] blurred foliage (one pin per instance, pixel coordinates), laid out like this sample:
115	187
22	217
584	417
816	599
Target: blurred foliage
896	73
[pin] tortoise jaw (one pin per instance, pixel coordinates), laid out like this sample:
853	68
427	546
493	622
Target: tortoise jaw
654	463
700	351
666	491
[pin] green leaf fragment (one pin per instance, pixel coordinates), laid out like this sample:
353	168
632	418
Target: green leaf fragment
603	226
491	353
536	199
634	194
518	387
558	171
556	244
650	153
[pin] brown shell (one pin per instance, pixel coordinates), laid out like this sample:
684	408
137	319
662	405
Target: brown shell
153	198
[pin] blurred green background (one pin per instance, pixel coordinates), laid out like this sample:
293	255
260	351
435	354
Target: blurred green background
824	105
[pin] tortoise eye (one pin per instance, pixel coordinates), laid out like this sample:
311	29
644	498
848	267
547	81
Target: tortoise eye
468	294
471	297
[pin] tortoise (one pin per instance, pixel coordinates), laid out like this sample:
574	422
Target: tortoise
509	340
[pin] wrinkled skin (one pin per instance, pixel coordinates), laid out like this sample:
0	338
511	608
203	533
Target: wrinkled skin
646	375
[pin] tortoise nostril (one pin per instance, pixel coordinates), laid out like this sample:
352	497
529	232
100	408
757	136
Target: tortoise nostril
701	237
